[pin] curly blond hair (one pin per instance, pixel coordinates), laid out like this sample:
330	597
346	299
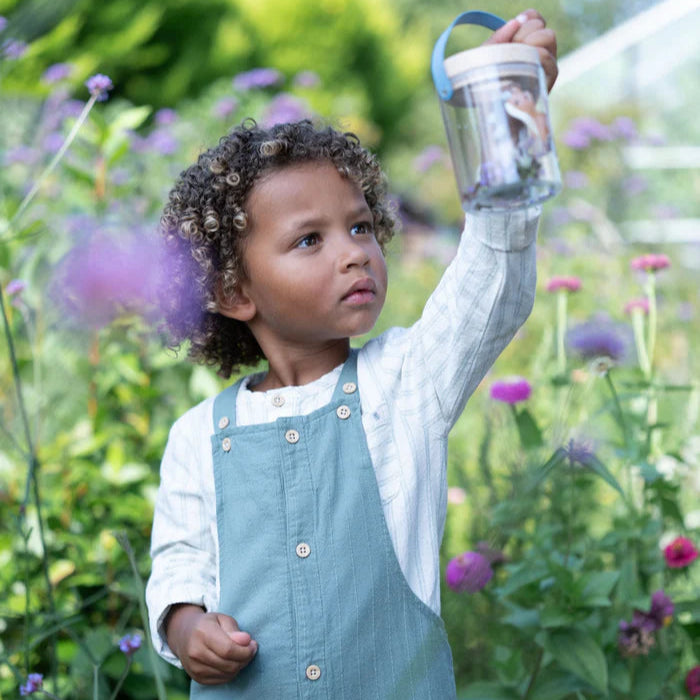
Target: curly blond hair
205	223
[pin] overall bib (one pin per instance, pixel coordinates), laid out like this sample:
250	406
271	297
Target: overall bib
307	565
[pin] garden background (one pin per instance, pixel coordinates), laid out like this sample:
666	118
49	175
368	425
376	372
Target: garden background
573	486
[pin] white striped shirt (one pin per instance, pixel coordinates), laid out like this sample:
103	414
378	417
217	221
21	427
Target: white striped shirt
413	386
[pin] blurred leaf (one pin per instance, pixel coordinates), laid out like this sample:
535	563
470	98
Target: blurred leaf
649	677
577	651
529	432
488	691
596	466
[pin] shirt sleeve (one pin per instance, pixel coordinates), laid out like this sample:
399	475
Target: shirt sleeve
485	295
183	546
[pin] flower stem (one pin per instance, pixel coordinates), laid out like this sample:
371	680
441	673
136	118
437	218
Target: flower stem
651	328
535	673
562	302
54	161
640	342
120	682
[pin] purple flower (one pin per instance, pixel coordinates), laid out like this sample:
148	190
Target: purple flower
3	23
130	643
575	180
99	85
429	156
224	107
598	337
511	390
257	78
284	108
15	287
661	612
634	638
624	128
165	116
576	140
468	573
56	73
13	49
105	276
692	681
21	154
307	79
34	683
583	130
53	141
579	452
162	141
72	108
634	184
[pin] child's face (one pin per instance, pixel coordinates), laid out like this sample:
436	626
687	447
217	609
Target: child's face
314	272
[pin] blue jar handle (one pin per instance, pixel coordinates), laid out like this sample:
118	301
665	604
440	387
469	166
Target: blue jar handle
440	79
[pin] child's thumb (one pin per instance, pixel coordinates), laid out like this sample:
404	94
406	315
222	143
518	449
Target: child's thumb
230	626
505	34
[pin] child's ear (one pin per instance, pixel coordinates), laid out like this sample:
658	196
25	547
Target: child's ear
238	305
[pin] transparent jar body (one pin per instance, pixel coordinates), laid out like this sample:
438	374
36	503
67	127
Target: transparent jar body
500	138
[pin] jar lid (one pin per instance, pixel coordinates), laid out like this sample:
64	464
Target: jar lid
490	55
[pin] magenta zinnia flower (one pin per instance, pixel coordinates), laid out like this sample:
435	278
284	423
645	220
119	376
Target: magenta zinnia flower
692	682
651	262
468	573
680	553
511	390
569	284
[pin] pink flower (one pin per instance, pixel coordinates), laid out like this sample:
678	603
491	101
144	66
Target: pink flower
468	573
692	682
511	390
680	553
642	304
650	262
569	284
456	494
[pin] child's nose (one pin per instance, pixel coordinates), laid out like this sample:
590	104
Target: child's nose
352	253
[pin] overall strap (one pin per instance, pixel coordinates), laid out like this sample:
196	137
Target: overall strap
224	410
347	382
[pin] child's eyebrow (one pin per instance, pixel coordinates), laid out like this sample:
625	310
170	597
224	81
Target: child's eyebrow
361	211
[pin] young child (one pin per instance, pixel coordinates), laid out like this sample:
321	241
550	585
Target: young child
298	523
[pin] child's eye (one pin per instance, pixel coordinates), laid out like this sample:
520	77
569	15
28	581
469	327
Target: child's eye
362	228
307	241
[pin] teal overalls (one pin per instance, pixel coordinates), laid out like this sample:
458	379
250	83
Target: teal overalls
307	565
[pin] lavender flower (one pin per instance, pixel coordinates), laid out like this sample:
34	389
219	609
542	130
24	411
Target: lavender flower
34	683
165	116
579	452
53	141
583	130
284	108
57	72
468	573
130	643
3	23
624	128
15	287
257	78
99	85
598	337
72	108
162	141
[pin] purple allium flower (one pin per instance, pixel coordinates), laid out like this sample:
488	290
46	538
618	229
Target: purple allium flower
13	49
34	683
429	156
634	638
99	85
598	337
680	553
583	130
3	23
651	262
257	78
165	116
105	276
224	107
568	284
639	304
575	179
624	128
130	643
56	73
468	573
307	79
511	390
284	108
692	681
